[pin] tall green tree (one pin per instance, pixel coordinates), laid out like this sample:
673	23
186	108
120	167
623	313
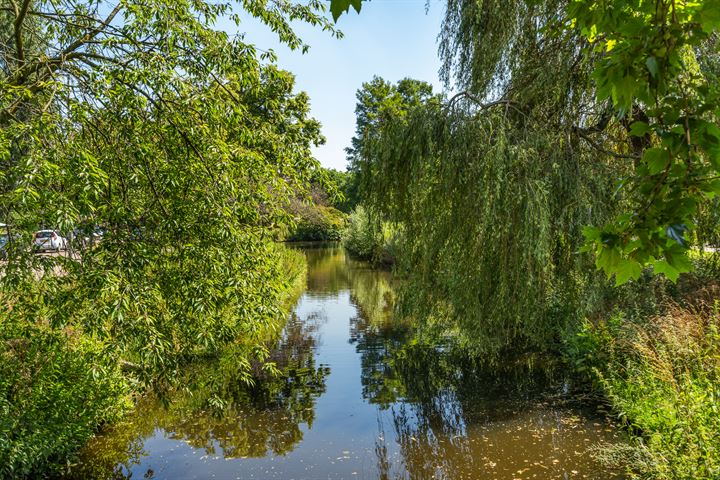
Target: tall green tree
185	145
569	115
651	102
378	102
144	119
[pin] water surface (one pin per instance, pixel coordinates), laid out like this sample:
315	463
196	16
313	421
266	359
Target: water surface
358	400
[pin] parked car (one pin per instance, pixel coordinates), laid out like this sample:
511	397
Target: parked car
49	240
97	235
84	238
3	249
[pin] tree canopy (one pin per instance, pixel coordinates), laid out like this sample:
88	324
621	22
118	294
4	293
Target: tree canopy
633	81
577	126
172	136
184	145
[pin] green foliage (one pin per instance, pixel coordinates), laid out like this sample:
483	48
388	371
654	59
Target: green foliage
316	223
318	216
56	386
663	378
186	147
338	7
347	186
651	102
512	223
369	239
60	382
647	69
378	101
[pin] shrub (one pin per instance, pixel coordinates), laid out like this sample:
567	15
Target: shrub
56	387
63	343
316	223
369	239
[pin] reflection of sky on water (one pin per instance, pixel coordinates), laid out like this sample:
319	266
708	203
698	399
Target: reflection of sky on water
368	408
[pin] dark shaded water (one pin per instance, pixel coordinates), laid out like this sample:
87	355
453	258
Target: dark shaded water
358	400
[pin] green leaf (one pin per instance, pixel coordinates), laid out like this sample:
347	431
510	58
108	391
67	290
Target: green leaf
711	188
709	16
678	260
608	260
627	269
678	129
591	233
656	159
662	266
652	66
338	7
639	129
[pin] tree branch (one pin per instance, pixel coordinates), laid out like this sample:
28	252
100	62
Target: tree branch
19	20
459	96
582	133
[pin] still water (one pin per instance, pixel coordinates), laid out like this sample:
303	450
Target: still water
358	400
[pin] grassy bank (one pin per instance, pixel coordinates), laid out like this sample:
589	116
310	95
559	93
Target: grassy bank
655	357
63	378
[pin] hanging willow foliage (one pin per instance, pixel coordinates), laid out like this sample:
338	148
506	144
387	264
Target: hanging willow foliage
493	205
555	130
494	186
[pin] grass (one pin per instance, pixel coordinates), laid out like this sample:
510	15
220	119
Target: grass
662	377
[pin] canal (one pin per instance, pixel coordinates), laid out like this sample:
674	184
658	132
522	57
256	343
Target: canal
358	398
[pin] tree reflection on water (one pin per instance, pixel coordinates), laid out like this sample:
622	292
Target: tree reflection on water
439	413
220	414
451	417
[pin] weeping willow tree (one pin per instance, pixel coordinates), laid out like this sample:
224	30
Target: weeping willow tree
493	208
654	66
493	194
570	114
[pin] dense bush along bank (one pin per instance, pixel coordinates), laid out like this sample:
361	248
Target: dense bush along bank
368	239
62	377
654	354
323	216
316	223
662	377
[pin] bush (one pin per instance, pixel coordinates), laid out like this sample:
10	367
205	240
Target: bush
316	223
56	387
63	342
369	239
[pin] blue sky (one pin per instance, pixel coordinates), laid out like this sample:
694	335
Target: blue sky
390	38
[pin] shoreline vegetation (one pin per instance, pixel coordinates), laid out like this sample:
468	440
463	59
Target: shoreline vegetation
649	350
61	386
556	204
551	210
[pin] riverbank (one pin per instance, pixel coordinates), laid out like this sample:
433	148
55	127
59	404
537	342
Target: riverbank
61	381
649	349
655	357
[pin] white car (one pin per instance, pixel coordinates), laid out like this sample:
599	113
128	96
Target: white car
49	240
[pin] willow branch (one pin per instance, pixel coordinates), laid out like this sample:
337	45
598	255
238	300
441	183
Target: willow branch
582	133
482	106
